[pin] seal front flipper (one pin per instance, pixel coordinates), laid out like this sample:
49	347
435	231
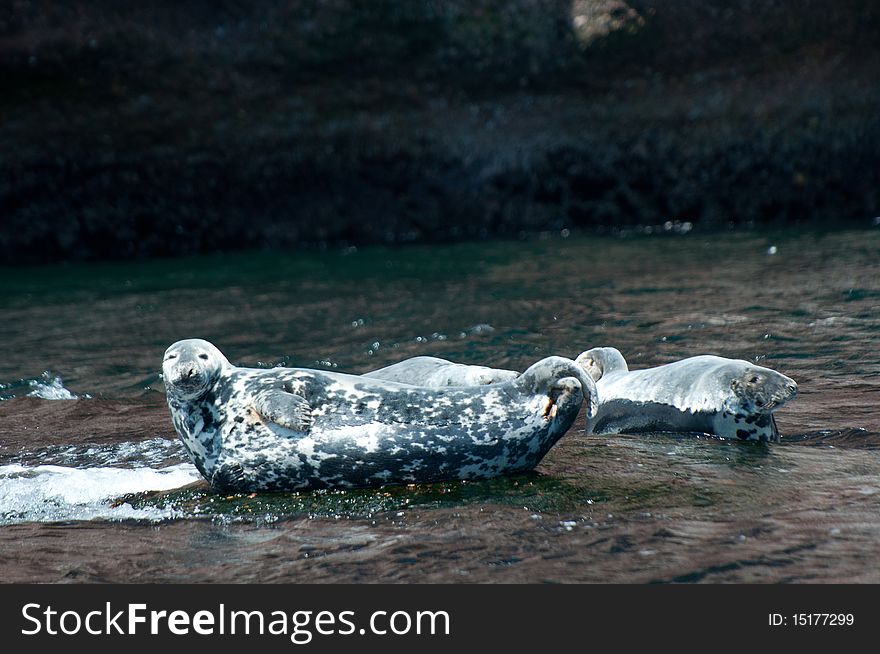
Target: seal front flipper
229	478
284	409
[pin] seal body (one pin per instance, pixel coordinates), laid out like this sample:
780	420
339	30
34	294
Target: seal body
730	398
287	429
433	372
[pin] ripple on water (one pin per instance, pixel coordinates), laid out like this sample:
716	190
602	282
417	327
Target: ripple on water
152	452
855	438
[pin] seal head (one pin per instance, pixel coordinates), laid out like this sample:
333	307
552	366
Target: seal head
563	381
761	390
190	367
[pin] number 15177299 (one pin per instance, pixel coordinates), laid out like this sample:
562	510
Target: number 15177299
811	620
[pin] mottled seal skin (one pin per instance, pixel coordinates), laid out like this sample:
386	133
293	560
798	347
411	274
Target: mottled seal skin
433	372
729	398
286	429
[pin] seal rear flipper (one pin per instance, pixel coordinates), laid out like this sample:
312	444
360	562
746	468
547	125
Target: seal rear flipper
285	409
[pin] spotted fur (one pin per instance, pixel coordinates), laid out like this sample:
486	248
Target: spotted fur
286	429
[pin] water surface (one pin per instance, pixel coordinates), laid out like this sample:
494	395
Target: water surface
83	427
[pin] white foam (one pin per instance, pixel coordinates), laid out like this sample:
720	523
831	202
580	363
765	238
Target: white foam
50	390
48	387
50	493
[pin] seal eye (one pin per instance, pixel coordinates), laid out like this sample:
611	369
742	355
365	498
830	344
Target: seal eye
171	356
203	356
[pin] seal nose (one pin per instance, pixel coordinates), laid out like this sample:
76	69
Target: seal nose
184	374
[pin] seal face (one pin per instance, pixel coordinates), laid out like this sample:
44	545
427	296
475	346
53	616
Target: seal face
433	372
286	429
730	398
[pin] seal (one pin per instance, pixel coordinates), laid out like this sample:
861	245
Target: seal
729	398
286	429
433	372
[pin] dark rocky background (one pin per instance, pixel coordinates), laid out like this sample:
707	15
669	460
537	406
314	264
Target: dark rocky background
160	128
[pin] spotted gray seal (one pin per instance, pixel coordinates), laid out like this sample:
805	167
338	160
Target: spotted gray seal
730	398
286	429
433	372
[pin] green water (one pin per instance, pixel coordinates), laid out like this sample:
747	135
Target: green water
625	508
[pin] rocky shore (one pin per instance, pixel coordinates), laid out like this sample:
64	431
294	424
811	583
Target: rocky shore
163	129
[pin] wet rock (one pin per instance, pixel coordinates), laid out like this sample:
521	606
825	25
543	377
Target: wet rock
156	131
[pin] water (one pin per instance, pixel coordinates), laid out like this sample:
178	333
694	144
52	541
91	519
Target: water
84	433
